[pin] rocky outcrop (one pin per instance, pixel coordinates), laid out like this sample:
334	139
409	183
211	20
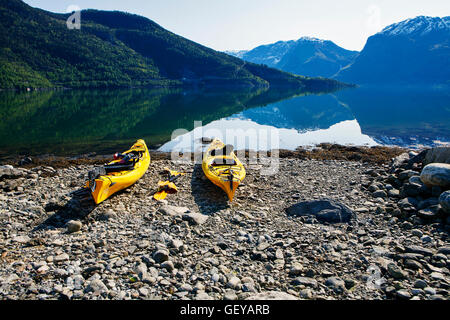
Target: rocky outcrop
437	155
418	189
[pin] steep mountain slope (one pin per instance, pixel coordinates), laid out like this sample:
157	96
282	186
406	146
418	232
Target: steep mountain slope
412	51
116	49
306	56
52	54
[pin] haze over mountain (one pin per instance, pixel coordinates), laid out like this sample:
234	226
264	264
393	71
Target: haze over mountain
414	51
305	56
114	48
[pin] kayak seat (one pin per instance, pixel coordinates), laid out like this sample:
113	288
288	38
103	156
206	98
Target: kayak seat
223	162
226	150
117	167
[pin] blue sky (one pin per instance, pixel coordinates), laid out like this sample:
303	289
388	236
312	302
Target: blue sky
245	24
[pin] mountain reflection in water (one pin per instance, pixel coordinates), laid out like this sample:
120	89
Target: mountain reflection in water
72	122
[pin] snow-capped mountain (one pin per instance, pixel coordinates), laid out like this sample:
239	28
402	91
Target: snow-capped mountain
409	52
269	54
417	26
306	56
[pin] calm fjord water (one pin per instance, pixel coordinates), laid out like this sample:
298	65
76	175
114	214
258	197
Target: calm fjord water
73	122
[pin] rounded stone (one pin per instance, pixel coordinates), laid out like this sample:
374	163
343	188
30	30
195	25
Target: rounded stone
379	194
296	269
436	174
403	294
168	265
337	284
161	256
74	226
417	233
234	283
230	295
420	284
395	271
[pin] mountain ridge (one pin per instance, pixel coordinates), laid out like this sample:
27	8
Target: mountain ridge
118	49
307	56
424	24
412	51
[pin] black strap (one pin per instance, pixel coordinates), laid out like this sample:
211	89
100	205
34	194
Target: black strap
231	179
119	167
225	150
223	162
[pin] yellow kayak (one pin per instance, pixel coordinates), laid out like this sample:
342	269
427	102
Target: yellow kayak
120	173
223	168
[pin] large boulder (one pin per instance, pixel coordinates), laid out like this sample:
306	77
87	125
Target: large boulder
324	210
436	174
437	155
417	159
444	201
414	187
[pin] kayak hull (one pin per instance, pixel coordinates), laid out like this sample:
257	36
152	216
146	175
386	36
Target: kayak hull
109	184
226	177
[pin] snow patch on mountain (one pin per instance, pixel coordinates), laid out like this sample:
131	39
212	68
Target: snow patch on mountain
420	25
236	53
312	39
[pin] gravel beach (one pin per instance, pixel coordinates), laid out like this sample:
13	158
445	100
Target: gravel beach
366	233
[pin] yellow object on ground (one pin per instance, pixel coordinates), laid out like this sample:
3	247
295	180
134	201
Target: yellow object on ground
223	168
116	176
167	187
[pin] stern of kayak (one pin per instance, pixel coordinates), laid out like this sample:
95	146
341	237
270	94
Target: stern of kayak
101	190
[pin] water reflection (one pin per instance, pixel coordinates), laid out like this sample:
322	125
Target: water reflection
408	117
83	121
247	134
412	117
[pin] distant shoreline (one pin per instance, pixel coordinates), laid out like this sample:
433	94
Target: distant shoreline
197	83
374	155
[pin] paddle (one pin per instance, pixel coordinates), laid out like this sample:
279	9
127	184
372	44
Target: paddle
168	186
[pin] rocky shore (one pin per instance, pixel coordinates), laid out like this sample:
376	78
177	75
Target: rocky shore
334	223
